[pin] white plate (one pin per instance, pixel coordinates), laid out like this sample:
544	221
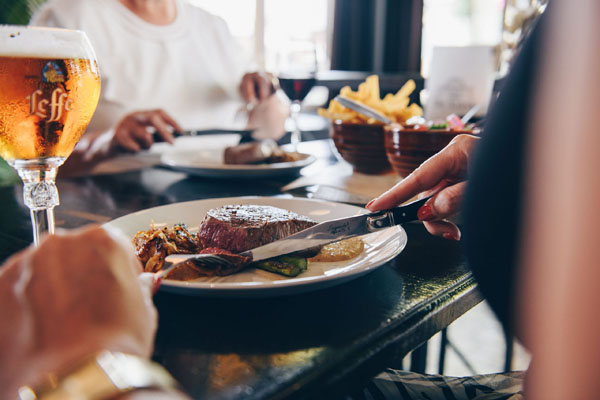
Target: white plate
217	142
380	247
209	163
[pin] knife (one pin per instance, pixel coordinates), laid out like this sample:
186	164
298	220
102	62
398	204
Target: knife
246	134
329	231
362	109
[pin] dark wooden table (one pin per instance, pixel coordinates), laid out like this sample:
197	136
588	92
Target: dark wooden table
321	344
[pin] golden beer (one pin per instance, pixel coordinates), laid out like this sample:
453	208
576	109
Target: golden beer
45	105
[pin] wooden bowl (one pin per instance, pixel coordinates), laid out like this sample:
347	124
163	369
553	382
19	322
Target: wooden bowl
361	145
407	148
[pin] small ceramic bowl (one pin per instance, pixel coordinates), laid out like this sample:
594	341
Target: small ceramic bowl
361	145
407	148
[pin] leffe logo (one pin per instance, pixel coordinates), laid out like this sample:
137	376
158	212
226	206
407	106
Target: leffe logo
53	108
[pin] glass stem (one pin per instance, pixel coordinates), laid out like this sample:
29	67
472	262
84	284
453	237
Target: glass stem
43	222
296	136
41	196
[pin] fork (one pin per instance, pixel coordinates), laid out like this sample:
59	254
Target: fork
177	260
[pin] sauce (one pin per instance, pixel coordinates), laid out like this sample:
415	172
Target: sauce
340	251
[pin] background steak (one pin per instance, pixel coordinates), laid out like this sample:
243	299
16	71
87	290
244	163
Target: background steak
238	228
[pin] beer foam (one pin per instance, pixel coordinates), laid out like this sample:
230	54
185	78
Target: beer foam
28	41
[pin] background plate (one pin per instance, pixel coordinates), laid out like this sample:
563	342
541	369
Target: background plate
209	163
380	247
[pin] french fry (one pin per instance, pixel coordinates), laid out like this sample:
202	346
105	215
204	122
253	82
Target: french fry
396	106
406	89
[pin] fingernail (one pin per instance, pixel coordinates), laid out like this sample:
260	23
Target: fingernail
425	213
157	283
450	236
369	203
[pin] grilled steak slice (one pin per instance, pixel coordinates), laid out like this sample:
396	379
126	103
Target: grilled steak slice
196	269
238	228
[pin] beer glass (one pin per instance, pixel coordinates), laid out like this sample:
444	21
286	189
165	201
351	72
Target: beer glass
49	89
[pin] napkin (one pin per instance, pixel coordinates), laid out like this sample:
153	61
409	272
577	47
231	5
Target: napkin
458	79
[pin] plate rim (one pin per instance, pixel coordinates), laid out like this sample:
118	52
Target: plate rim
277	287
236	168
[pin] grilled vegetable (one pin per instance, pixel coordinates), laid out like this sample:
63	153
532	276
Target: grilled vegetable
284	265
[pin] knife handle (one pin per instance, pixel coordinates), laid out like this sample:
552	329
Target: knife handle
408	212
396	215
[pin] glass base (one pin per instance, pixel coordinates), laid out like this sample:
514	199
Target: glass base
39	192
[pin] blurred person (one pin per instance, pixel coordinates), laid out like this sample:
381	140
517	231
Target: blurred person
530	209
165	66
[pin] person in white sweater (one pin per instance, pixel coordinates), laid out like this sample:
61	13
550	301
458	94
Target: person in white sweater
165	66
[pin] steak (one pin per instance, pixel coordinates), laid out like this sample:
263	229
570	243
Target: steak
238	228
192	269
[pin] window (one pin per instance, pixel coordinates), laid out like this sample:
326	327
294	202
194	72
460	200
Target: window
460	23
261	26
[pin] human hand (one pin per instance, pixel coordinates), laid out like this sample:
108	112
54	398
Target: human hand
131	133
443	176
76	294
256	87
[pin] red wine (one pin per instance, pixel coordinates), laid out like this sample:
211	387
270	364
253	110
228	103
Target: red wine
296	87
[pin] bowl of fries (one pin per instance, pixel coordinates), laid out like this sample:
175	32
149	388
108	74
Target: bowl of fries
360	140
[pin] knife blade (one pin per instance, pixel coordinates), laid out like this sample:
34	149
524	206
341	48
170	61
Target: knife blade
204	132
338	229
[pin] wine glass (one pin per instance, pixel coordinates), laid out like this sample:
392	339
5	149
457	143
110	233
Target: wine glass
296	72
49	89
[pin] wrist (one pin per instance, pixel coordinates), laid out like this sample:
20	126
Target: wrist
106	375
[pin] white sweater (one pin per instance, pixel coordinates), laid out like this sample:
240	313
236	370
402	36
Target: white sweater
191	68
